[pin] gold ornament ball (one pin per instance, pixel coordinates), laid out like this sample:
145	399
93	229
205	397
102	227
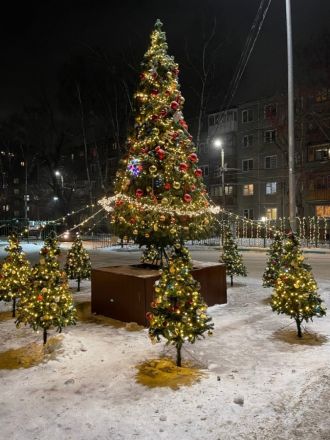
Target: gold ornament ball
176	185
147	235
162	218
135	232
164	201
153	169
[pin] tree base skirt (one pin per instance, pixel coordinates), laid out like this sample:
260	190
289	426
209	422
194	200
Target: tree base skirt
125	292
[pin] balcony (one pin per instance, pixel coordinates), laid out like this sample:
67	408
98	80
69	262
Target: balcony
318	195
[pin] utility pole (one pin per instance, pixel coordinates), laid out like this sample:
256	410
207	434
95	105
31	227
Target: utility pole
292	183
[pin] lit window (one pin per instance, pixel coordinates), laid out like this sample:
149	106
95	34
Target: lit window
271	188
322	210
248	189
22	164
229	190
16	191
270	136
270	162
271	213
247	115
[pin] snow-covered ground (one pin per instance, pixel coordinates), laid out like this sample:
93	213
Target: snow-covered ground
259	381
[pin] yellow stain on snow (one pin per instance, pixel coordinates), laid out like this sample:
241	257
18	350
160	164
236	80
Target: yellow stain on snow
5	316
165	373
30	354
309	337
84	314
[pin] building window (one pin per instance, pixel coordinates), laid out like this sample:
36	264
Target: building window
322	210
248	213
322	154
22	163
270	111
205	169
247	115
323	95
247	140
203	148
247	164
16	181
248	189
271	188
270	136
270	162
271	213
16	191
16	213
229	190
5	208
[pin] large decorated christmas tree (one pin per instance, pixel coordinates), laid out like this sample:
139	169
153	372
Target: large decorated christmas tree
231	257
274	262
178	310
159	197
78	264
49	302
295	292
15	273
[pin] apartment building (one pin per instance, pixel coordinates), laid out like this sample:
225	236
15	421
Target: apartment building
254	138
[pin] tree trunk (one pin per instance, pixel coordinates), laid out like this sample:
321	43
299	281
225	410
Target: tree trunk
231	280
178	354
14	307
78	281
45	336
298	322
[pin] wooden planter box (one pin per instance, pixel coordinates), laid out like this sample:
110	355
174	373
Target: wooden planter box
125	292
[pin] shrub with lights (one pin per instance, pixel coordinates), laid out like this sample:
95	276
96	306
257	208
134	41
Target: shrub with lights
295	292
274	262
49	302
178	310
160	197
231	257
78	264
15	273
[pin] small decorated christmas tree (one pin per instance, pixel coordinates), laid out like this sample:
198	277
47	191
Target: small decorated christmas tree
295	292
232	259
15	273
274	262
159	197
178	310
49	302
78	264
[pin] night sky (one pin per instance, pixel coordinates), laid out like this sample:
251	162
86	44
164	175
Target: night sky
38	37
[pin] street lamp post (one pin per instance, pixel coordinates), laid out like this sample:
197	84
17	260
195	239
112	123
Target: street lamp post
60	175
218	144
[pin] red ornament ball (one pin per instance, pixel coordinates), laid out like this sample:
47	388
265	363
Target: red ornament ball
149	316
167	186
193	157
119	202
187	198
161	154
198	172
154	92
183	167
163	113
174	105
183	124
40	298
139	193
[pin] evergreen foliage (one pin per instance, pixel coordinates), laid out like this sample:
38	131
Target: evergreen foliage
15	273
231	257
295	292
160	197
78	264
49	302
274	262
178	310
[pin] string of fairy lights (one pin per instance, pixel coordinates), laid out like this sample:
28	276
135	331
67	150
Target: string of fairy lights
311	229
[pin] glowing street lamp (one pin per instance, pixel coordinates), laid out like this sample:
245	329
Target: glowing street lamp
218	144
